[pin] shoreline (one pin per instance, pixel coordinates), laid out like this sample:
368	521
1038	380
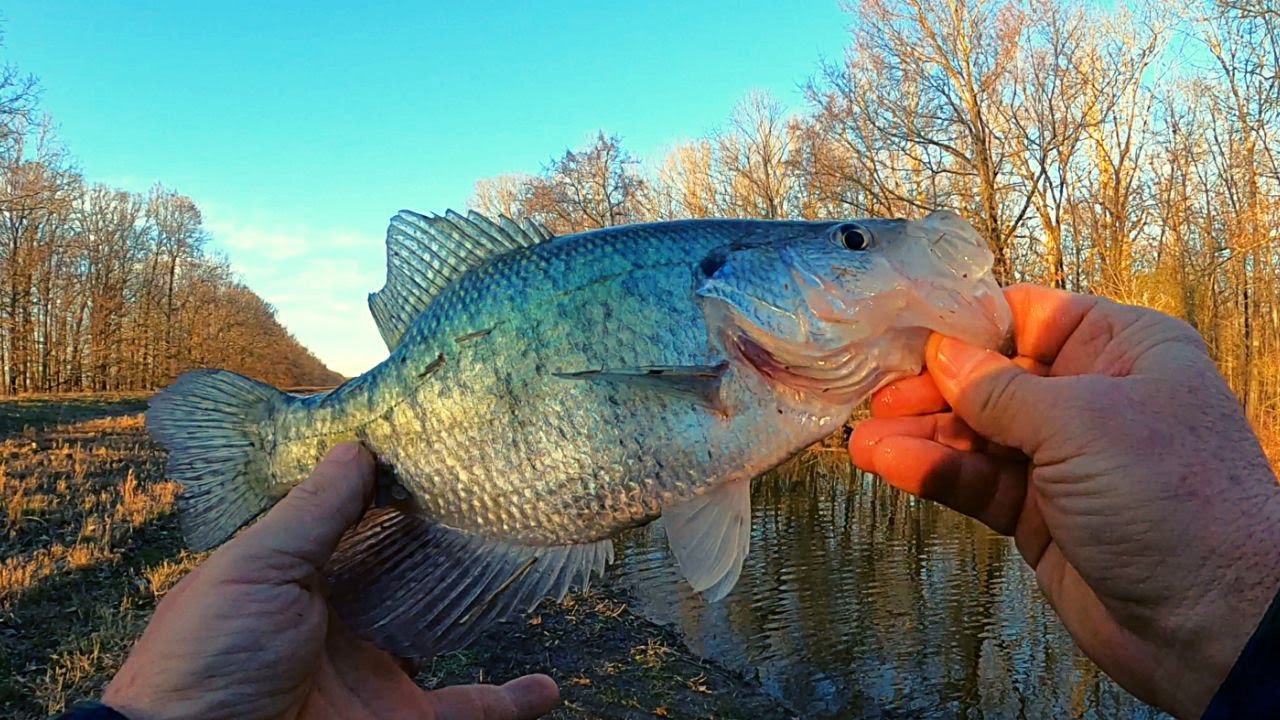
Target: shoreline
609	663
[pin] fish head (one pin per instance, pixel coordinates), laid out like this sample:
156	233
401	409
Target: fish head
838	309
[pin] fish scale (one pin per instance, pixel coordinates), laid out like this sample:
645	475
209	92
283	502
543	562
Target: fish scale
543	394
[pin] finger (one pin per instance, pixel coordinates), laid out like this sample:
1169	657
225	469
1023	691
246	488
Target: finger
992	394
1032	537
915	395
1031	365
918	394
986	489
1044	318
943	428
308	522
1004	451
527	697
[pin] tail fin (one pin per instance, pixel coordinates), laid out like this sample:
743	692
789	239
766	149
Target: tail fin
210	422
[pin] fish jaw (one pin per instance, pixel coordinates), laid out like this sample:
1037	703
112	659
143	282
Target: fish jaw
978	314
950	266
822	323
844	378
856	358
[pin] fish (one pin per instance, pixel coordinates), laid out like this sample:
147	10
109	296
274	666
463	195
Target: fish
543	393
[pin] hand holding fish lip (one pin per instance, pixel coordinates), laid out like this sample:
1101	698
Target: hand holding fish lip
249	634
1114	453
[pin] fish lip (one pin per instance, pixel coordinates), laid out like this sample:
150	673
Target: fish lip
979	317
760	358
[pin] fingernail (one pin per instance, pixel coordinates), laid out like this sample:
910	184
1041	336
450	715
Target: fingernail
953	358
344	452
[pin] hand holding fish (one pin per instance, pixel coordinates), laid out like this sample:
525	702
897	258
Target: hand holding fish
249	633
629	373
1114	453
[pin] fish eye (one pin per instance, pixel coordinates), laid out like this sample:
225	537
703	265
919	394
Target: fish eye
852	237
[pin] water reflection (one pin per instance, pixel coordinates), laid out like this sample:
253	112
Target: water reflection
857	600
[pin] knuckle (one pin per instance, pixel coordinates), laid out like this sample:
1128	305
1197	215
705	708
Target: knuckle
1000	393
1183	331
306	499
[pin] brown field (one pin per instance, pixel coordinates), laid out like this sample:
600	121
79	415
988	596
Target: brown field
90	544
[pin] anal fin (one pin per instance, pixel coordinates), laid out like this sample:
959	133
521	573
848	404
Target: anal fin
419	589
710	536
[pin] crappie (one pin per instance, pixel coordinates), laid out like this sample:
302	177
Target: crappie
544	393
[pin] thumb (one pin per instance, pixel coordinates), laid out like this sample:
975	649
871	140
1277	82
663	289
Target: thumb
993	395
308	522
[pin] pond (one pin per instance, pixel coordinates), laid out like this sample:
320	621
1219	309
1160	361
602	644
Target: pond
860	601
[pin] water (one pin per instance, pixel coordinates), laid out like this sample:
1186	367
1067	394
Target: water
859	601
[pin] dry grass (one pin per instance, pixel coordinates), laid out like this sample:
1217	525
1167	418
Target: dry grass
29	414
89	543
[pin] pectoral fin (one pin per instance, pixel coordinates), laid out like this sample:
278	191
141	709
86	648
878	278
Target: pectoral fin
710	536
700	383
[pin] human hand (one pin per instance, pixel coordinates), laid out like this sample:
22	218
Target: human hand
1117	457
248	634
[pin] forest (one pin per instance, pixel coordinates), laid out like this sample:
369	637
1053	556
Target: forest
106	290
1128	152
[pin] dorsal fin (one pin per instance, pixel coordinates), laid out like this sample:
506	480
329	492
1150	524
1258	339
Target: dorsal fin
426	254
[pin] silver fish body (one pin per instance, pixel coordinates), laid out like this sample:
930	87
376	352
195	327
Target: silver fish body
543	394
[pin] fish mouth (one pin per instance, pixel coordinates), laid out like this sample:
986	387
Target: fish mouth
836	376
981	318
839	372
762	360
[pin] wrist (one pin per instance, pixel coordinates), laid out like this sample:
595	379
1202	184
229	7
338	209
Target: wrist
92	711
1234	606
1249	689
127	704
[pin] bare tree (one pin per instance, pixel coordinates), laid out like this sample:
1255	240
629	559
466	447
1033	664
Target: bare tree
684	186
593	187
1087	150
751	159
501	195
944	71
1076	77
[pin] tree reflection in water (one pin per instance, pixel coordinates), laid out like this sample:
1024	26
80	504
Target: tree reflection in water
858	600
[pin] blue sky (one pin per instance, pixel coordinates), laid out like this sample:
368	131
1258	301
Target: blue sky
301	128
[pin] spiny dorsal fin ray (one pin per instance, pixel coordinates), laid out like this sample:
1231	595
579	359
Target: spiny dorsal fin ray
425	254
418	589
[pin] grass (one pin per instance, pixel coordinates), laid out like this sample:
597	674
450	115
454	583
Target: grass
30	414
90	543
